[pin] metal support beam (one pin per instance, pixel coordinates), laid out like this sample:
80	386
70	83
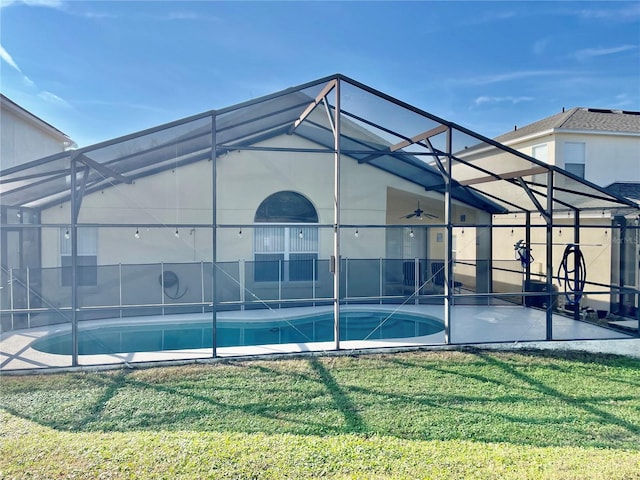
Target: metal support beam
576	262
106	172
214	235
549	253
527	237
79	195
329	118
448	266
534	200
74	263
320	97
405	143
504	176
336	222
421	136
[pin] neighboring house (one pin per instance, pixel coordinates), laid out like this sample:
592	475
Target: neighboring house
601	146
25	137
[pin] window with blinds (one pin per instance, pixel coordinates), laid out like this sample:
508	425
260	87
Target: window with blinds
285	253
574	158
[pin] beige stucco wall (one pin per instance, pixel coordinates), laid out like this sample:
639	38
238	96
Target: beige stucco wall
608	158
244	180
22	141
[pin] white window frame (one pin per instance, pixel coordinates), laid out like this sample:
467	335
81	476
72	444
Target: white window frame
540	152
287	250
574	156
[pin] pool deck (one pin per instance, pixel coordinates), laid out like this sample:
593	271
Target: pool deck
483	326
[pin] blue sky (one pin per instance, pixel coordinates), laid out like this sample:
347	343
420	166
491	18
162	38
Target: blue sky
98	70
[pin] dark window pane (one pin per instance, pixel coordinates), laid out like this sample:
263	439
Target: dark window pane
575	168
301	266
286	207
266	267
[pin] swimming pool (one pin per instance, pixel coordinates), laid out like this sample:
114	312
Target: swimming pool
175	335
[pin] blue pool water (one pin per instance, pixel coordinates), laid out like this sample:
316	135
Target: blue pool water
357	325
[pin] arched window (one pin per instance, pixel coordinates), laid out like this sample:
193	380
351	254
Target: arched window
285	253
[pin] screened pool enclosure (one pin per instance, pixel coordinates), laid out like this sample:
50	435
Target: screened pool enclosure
322	217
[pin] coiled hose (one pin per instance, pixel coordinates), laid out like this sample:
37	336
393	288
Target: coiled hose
573	279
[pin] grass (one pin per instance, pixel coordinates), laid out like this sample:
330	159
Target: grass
441	415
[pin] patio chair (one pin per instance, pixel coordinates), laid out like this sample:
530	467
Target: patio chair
409	276
437	277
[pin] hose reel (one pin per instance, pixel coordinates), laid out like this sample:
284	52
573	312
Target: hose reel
572	279
171	285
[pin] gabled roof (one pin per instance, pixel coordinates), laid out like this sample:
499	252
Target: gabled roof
7	104
374	128
580	119
629	190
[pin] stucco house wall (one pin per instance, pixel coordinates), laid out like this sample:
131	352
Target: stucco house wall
245	179
369	196
25	137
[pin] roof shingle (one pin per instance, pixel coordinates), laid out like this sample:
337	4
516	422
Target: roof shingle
580	118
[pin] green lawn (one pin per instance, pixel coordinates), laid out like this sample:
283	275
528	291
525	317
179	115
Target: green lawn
444	414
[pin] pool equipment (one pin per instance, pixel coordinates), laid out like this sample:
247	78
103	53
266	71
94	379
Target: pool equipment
523	253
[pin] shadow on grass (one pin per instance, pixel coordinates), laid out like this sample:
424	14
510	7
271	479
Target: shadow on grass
478	396
579	402
352	419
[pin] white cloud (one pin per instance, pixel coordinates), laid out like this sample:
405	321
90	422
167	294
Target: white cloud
629	13
121	105
488	17
53	98
514	100
44	95
601	52
623	100
182	16
187	15
507	77
97	15
6	56
33	3
540	45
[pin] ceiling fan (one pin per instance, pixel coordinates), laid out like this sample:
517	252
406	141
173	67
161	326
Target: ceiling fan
419	213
